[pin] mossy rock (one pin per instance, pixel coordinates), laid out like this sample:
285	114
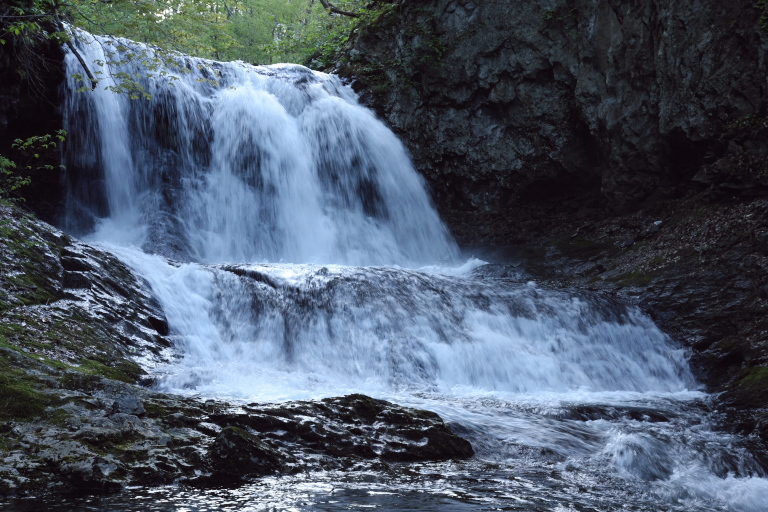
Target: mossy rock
20	396
122	370
751	389
632	279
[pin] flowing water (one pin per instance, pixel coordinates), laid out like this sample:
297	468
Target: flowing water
296	254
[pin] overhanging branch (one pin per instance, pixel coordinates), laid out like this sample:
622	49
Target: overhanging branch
79	57
335	10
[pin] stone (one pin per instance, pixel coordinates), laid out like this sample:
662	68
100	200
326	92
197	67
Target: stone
524	102
761	240
237	453
129	405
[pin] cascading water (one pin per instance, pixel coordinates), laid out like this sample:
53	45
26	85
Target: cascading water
231	171
241	163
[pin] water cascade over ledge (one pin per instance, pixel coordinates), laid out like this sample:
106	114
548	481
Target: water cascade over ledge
286	235
241	163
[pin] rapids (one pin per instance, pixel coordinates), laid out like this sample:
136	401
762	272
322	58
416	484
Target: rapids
296	254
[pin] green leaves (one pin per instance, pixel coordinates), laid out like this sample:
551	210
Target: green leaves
254	31
32	150
9	181
762	6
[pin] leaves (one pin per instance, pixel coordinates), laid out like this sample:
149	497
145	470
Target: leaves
32	150
254	31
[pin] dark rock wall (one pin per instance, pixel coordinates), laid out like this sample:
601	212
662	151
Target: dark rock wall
504	103
31	74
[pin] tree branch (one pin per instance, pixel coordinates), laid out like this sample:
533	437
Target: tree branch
26	16
335	10
77	55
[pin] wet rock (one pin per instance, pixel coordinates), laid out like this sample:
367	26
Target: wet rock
130	405
701	278
92	474
514	104
761	240
628	242
74	304
236	453
98	434
360	426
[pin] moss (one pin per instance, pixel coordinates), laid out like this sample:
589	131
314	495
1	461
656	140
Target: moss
123	370
58	416
751	390
154	410
383	19
755	379
77	381
27	265
634	278
20	398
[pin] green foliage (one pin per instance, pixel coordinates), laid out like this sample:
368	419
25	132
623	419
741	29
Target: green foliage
29	19
317	39
33	151
254	31
37	145
9	181
762	6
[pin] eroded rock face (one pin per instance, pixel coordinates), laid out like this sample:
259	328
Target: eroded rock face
68	303
80	443
357	426
504	103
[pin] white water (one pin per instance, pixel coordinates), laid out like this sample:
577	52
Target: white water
269	164
231	180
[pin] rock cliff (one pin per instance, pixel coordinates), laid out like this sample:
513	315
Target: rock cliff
602	102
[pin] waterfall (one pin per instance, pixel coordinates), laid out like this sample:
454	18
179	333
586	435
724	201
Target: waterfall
231	162
228	166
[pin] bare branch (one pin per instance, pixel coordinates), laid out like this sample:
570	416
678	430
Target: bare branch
77	55
332	8
26	16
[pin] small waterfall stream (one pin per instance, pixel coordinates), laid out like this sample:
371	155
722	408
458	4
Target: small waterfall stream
296	254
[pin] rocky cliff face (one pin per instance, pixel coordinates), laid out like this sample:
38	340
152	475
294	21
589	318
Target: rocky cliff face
603	101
